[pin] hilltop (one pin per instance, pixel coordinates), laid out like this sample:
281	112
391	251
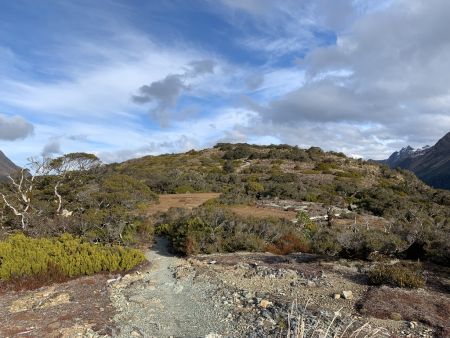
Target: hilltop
322	184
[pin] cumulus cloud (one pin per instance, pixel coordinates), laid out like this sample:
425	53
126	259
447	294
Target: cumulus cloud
165	93
14	128
389	69
53	147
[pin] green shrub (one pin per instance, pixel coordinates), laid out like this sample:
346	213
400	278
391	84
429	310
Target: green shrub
325	242
211	228
22	256
396	275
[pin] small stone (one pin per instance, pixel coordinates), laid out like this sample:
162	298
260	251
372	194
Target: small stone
264	303
310	284
336	296
248	295
213	335
412	325
347	294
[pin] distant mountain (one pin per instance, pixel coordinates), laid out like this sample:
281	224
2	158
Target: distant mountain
7	167
431	164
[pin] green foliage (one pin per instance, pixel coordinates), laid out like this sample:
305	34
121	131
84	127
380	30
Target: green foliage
108	204
24	256
253	188
325	242
365	242
396	275
326	166
212	228
228	167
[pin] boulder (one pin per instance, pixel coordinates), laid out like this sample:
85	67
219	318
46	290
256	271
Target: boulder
347	294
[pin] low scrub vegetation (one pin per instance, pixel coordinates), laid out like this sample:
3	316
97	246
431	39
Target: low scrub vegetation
397	275
213	228
22	256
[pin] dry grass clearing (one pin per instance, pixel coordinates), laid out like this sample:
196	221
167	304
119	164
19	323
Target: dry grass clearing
262	212
187	201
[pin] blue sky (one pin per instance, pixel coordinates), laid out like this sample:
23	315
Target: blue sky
129	78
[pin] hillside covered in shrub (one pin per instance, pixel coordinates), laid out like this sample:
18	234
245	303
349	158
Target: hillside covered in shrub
408	211
343	206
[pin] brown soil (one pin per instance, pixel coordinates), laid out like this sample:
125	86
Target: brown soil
427	307
61	310
188	201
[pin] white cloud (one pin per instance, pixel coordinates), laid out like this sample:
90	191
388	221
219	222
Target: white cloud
14	128
389	69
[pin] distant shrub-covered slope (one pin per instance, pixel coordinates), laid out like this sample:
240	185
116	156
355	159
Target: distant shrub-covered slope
246	173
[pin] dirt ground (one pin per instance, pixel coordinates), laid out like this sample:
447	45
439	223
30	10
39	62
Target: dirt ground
157	302
188	201
77	307
313	280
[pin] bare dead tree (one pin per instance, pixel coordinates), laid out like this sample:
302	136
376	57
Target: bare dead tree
20	198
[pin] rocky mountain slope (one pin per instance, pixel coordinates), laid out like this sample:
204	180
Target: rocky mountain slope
431	164
6	165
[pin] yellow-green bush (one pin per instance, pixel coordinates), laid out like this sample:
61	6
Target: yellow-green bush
396	275
25	256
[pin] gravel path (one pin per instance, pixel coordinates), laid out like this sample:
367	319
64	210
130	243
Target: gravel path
155	303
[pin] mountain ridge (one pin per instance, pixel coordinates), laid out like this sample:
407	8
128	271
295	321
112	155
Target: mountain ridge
7	167
430	164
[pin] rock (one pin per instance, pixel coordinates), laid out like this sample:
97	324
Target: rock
264	303
212	262
248	295
347	294
311	284
412	325
336	296
66	213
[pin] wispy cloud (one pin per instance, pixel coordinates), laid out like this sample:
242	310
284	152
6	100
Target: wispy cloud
343	75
